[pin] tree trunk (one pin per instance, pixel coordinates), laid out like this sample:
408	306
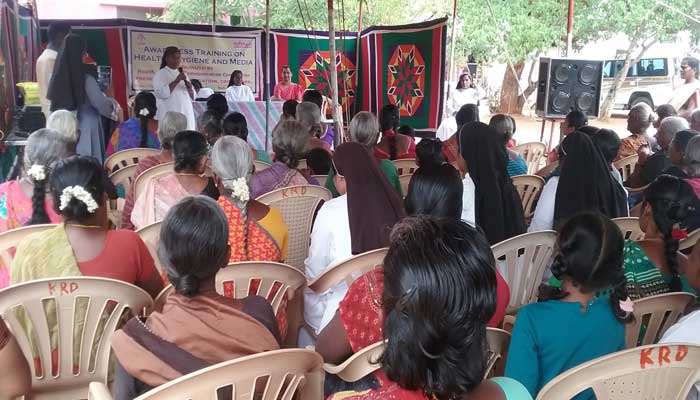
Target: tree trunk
609	102
510	90
531	86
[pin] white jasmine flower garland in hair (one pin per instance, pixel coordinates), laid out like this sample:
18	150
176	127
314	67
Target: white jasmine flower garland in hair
239	188
78	192
37	172
144	112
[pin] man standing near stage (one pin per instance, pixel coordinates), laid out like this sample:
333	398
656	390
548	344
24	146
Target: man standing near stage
44	64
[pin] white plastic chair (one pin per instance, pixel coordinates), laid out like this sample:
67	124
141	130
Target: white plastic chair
150	235
260	165
348	270
10	239
532	152
404	180
653	315
405	166
629	226
141	181
125	158
693	237
626	166
529	188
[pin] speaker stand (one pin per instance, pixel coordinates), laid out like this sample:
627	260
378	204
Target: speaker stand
553	122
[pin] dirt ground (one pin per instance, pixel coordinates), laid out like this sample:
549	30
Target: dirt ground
529	128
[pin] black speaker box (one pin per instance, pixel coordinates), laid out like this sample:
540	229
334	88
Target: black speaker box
565	85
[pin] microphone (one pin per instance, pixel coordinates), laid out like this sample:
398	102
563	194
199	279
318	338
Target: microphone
187	81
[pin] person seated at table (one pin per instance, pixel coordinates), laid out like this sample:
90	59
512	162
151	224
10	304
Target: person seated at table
319	162
289	110
583	183
654	265
429	153
139	131
197	327
649	166
504	126
356	222
639	120
190	151
24	201
490	200
393	145
200	93
235	124
83	244
314	96
66	124
435	306
310	116
290	141
236	90
172	123
16	379
450	147
257	232
364	129
287	90
570	325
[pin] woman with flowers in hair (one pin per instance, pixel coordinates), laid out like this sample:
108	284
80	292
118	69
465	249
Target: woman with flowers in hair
138	131
83	243
23	201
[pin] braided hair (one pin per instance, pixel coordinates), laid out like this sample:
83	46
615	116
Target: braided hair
145	111
389	119
671	202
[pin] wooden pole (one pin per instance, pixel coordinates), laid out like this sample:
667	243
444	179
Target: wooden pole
454	42
266	80
337	123
570	28
357	53
213	16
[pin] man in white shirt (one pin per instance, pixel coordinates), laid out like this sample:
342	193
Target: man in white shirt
172	89
44	64
237	91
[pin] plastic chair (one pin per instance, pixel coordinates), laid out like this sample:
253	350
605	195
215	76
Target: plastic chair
650	372
298	205
141	181
689	242
626	166
124	177
529	188
405	180
405	166
10	239
321	179
272	281
160	298
361	364
260	165
150	234
629	227
348	270
303	165
653	316
58	303
547	170
282	374
532	152
125	158
522	261
498	341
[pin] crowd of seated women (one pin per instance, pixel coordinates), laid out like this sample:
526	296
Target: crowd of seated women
439	287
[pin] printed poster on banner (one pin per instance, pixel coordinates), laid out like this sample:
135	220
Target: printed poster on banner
209	57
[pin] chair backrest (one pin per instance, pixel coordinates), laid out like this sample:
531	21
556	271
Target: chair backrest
653	315
127	157
630	227
665	371
529	188
693	237
84	313
348	270
298	205
150	234
273	375
361	364
267	279
321	179
260	165
626	166
404	180
406	166
522	261
532	152
303	165
141	181
124	177
10	239
547	170
498	340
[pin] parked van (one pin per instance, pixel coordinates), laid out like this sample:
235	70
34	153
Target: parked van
650	81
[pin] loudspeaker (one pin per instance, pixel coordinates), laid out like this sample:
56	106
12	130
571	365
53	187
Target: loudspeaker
565	85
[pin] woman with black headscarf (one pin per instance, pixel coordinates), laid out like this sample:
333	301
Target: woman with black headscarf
74	87
359	220
490	200
584	184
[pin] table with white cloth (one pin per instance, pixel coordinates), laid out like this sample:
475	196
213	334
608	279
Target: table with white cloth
254	112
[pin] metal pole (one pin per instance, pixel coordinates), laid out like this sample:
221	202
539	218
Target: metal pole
213	16
569	29
337	124
357	53
454	42
266	80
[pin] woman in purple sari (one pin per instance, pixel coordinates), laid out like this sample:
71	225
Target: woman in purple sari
290	142
139	131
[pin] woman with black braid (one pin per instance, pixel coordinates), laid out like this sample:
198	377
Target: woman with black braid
393	145
653	265
574	326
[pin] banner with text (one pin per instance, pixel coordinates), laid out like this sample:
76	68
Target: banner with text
209	57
